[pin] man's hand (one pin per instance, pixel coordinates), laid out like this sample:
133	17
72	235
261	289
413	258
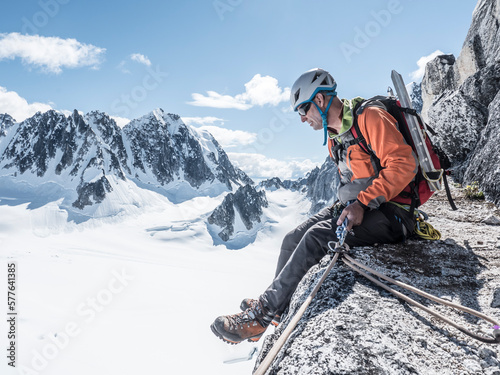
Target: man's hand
354	213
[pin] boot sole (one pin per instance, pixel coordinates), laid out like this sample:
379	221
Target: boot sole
250	339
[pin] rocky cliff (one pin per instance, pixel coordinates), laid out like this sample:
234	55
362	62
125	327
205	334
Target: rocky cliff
322	185
462	101
6	122
355	327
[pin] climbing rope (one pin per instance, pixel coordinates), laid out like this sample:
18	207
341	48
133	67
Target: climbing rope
422	228
273	352
426	231
340	249
357	266
336	248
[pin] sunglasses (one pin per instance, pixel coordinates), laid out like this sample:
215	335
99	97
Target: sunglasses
304	108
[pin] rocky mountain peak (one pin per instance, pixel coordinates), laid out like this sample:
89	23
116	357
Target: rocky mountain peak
319	185
462	102
439	77
238	213
272	184
158	120
322	185
415	92
6	122
482	43
83	154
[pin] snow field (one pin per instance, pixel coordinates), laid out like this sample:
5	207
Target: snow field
135	293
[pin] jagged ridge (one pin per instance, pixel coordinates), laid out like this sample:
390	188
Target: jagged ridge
244	205
83	154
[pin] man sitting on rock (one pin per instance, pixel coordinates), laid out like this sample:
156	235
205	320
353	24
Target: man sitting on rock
365	193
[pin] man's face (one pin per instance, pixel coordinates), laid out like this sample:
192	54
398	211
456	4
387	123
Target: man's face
312	117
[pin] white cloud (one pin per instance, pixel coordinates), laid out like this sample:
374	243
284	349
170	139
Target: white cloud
120	121
230	138
141	59
121	67
208	120
265	90
260	90
216	100
51	54
18	107
259	166
418	74
137	57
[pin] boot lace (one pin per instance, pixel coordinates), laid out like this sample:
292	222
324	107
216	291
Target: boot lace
252	313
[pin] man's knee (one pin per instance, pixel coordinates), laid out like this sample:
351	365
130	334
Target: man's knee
291	240
318	236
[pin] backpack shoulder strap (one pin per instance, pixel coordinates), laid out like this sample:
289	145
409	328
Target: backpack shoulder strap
358	136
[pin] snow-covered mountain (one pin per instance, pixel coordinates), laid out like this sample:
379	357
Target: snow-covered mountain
166	152
98	169
6	123
319	185
238	218
94	169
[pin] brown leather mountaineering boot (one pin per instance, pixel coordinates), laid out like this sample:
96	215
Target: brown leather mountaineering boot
247	325
249	302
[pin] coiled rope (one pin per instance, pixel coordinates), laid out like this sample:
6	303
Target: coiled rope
426	231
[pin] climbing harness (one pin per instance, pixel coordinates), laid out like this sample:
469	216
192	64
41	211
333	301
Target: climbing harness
341	249
422	228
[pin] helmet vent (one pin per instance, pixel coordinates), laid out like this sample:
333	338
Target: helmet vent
325	81
297	94
316	76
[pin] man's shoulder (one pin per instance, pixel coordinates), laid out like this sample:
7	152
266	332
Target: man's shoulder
373	114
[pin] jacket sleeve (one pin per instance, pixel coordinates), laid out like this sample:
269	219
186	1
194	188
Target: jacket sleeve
397	159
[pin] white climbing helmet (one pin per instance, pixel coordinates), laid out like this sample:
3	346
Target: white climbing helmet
309	84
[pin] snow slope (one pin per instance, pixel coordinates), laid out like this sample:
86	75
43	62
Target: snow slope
133	294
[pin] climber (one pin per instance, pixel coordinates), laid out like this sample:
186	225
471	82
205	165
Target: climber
364	197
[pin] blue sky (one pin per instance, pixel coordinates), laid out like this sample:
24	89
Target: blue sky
224	65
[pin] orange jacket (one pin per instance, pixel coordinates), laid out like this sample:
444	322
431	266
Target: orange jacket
359	177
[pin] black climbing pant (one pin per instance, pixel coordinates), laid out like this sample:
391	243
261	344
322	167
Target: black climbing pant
304	247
